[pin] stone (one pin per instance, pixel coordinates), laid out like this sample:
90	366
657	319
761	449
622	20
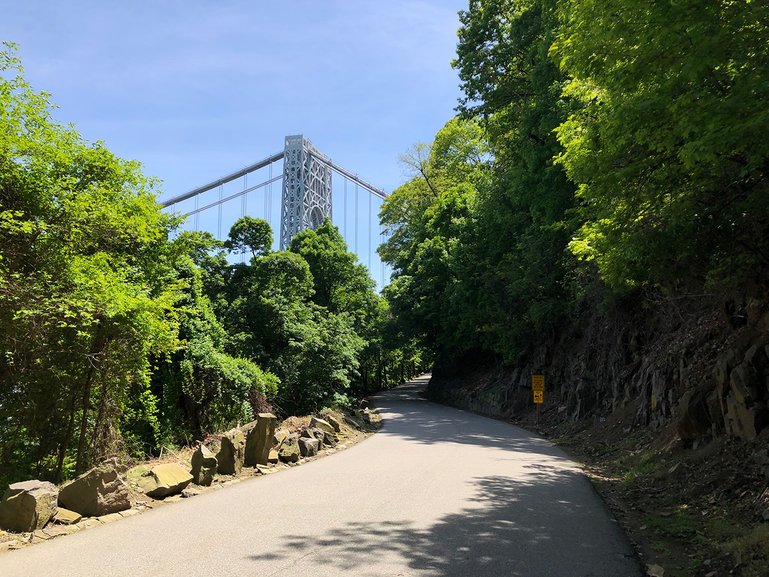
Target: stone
655	571
59	530
353	422
258	439
308	447
165	480
318	434
99	491
28	505
693	420
289	450
273	456
232	452
743	421
204	466
280	436
743	382
11	545
756	357
329	439
716	413
89	523
316	423
66	517
334	422
112	517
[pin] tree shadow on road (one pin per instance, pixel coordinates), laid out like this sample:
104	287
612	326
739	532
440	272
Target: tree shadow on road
513	528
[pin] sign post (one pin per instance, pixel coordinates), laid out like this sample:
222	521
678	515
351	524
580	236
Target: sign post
538	391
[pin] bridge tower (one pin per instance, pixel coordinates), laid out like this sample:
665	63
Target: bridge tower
306	199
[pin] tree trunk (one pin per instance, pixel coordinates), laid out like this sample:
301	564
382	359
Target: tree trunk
64	445
85	404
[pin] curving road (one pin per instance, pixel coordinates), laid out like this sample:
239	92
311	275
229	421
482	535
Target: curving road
438	492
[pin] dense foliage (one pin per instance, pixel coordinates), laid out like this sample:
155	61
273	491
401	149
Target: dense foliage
602	148
119	334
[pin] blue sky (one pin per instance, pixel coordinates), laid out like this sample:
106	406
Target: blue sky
195	90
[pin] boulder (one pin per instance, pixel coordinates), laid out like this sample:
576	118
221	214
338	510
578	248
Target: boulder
164	480
308	447
279	437
352	422
28	505
329	439
259	435
232	452
66	517
289	449
334	423
273	456
316	423
744	420
693	421
204	465
318	434
756	357
745	384
97	492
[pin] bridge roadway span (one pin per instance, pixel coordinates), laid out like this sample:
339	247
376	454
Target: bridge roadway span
437	492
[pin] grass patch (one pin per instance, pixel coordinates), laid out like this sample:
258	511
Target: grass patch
678	525
748	546
638	466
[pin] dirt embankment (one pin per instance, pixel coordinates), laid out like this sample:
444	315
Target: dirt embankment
667	410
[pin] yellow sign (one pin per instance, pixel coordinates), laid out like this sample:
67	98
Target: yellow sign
538	397
538	383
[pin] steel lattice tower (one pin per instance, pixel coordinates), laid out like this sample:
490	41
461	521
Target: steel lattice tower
306	199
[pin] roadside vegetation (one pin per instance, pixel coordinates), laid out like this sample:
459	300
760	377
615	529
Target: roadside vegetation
121	335
598	212
605	153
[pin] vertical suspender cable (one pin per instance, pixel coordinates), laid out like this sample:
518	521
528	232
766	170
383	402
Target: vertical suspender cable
370	229
381	242
243	204
197	214
219	227
268	203
267	192
244	198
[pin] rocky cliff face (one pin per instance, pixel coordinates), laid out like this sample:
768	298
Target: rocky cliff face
700	362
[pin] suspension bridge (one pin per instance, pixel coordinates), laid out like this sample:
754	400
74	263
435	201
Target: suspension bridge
312	188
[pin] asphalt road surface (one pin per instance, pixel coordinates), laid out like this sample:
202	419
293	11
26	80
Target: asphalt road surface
437	492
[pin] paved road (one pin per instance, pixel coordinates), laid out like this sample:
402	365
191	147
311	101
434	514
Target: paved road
438	492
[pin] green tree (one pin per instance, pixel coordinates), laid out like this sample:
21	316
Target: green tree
87	289
202	389
516	257
426	220
252	234
668	147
